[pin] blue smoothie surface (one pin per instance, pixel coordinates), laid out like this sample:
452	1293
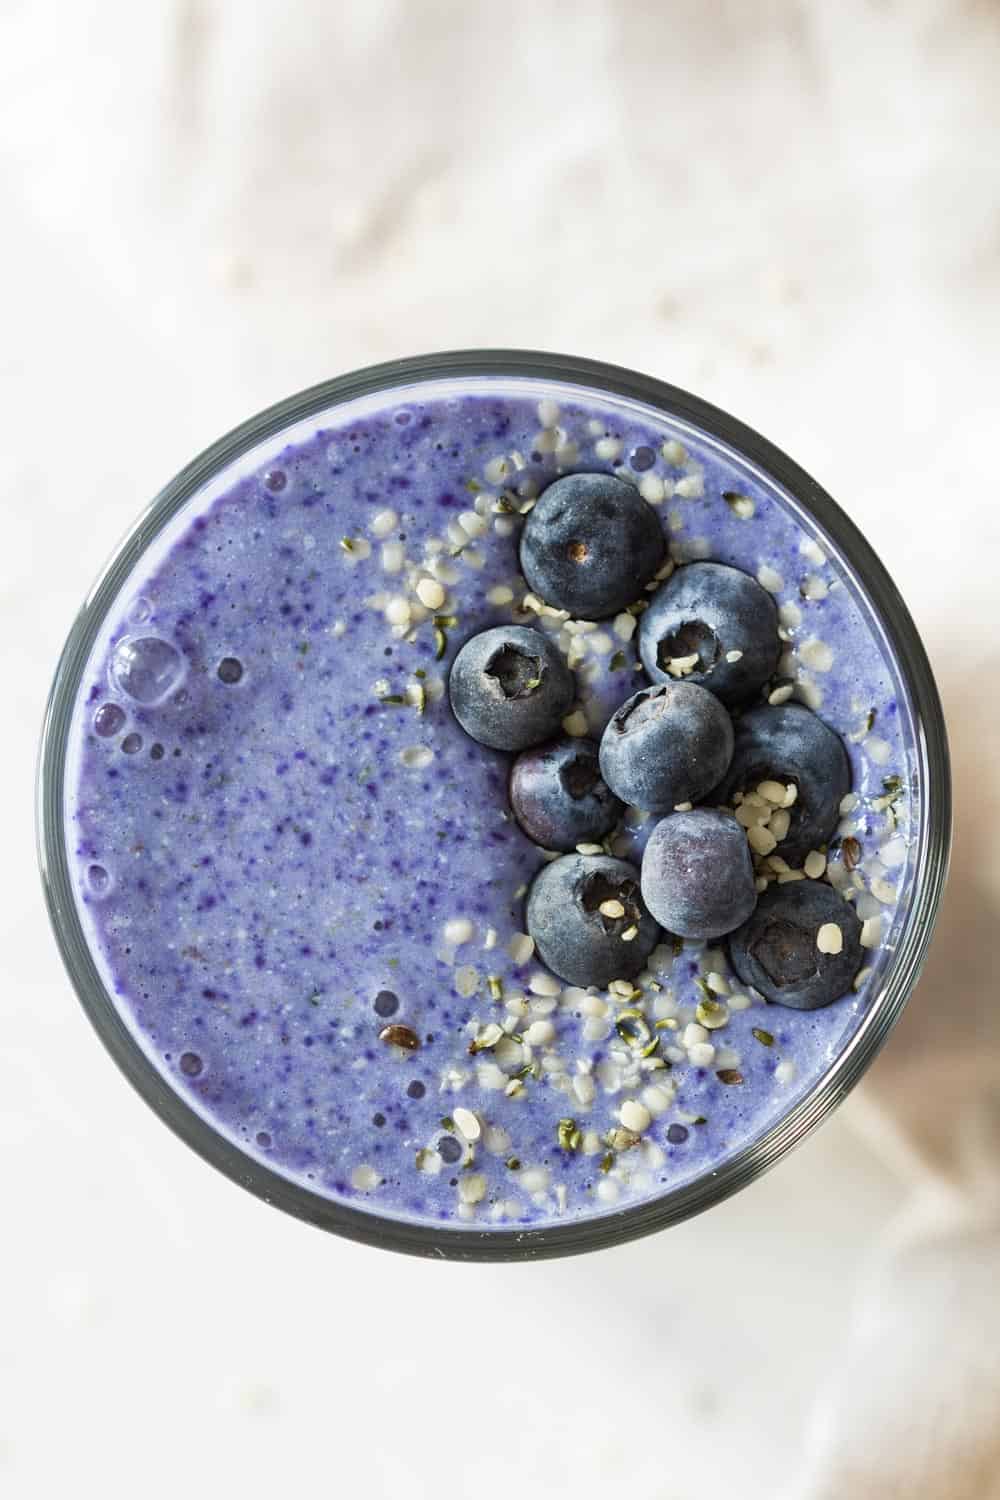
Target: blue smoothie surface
284	843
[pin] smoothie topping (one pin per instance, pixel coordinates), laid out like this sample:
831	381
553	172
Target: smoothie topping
722	618
590	544
559	798
400	1036
510	687
665	745
571	933
704	871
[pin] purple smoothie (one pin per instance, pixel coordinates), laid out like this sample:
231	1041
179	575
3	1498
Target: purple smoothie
285	846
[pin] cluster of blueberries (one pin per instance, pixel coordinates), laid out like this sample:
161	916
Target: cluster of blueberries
708	642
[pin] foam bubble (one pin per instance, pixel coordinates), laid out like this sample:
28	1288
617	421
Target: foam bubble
108	719
146	668
230	669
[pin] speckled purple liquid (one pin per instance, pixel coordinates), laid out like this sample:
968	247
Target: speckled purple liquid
276	822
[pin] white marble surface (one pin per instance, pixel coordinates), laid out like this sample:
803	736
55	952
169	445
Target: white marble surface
791	208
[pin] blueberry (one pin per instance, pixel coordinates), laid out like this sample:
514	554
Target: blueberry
790	744
776	951
573	936
510	687
558	797
697	874
669	743
708	610
590	545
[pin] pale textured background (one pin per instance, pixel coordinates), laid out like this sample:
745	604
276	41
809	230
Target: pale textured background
792	208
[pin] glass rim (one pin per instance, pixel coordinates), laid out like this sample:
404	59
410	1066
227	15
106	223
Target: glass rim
515	1242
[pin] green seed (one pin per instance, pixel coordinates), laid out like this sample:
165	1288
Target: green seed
633	1028
712	1014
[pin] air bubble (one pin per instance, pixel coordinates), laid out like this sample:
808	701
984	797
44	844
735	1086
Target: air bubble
191	1064
140	611
230	669
449	1149
108	719
98	880
386	1003
132	744
146	668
